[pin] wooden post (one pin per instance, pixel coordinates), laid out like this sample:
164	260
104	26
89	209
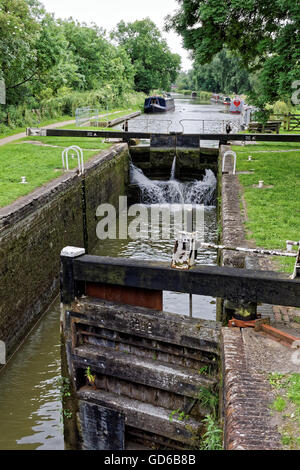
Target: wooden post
68	289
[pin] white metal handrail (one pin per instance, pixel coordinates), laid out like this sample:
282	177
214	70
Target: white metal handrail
135	123
232	154
65	158
235	124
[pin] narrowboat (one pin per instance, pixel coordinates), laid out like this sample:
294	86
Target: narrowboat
215	97
159	104
236	105
226	100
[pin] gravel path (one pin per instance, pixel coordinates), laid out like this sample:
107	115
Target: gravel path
12	138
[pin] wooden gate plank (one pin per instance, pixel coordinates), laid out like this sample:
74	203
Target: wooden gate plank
148	372
102	428
139	321
144	416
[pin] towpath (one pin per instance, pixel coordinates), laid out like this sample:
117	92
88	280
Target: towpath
21	135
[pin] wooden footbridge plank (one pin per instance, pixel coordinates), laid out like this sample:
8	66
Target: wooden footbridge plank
239	285
126	136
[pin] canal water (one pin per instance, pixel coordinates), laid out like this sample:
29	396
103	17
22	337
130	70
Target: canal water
30	404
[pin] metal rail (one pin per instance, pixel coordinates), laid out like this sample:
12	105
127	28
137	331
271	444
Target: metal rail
65	158
223	123
252	251
147	123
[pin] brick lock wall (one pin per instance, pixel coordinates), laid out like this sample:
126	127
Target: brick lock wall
33	231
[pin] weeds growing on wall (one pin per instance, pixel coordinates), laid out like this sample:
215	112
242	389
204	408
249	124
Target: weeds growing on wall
212	437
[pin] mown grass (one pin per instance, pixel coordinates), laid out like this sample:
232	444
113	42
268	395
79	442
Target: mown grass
39	164
88	128
287	407
116	113
86	143
265	146
273	213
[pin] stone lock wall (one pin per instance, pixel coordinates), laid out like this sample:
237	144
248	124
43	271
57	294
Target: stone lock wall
34	229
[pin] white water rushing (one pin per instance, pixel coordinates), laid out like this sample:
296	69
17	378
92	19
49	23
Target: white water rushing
174	191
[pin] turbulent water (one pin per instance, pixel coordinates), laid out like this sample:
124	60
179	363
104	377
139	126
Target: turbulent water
173	191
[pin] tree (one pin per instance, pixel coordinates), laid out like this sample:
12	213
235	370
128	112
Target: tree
264	33
224	74
98	62
31	46
18	33
154	64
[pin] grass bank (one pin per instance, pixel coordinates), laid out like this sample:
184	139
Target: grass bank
39	160
286	408
272	213
105	116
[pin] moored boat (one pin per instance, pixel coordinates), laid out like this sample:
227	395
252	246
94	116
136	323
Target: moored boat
159	104
236	105
226	100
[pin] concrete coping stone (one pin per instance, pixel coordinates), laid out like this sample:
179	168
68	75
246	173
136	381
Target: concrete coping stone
72	252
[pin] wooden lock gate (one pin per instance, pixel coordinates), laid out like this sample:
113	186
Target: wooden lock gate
149	367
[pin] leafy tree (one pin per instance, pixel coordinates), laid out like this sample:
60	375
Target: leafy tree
31	45
224	74
56	65
264	33
98	62
18	32
155	66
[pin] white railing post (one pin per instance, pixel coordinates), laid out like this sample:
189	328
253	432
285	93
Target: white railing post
229	153
65	158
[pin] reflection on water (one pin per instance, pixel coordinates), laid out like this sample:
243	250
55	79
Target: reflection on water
189	116
30	406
